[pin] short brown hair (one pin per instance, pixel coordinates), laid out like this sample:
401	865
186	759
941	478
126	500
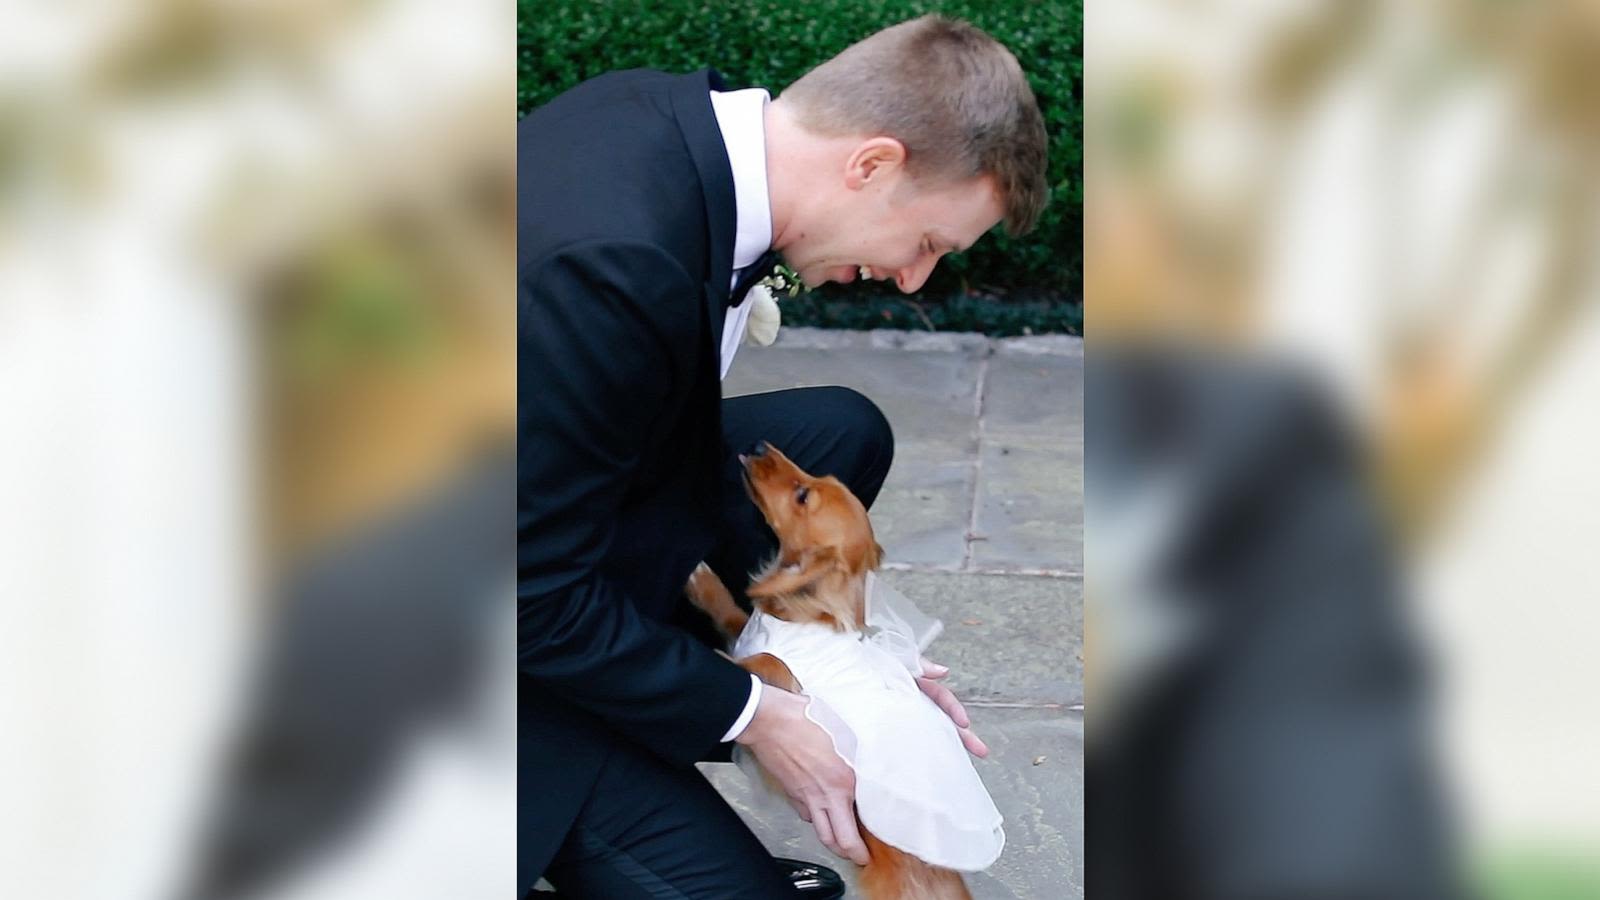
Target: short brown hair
953	95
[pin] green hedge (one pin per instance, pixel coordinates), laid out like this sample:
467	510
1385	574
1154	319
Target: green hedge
1002	285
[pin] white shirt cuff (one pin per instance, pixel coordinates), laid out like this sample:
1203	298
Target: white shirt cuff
743	722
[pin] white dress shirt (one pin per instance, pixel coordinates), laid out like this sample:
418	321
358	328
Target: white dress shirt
741	116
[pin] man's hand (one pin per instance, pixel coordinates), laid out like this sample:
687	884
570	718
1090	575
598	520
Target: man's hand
946	700
799	754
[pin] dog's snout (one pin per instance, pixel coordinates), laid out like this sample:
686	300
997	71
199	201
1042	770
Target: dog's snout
757	450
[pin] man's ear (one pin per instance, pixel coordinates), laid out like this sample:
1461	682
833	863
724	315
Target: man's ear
873	158
812	566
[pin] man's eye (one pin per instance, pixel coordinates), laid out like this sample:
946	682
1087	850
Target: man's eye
801	494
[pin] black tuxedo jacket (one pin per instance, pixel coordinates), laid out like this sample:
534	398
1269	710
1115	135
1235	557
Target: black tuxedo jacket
625	216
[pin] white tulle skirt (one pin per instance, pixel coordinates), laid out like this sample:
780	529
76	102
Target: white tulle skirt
916	788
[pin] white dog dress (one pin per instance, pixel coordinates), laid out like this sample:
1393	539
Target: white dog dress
916	789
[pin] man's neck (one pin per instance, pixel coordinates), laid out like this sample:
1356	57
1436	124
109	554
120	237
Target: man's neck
779	197
799	164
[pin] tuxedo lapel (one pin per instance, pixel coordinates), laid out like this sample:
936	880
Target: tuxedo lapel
691	101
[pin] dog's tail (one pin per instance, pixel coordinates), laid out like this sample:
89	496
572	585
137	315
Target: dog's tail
896	875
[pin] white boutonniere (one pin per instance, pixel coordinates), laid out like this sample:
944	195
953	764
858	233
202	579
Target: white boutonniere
761	328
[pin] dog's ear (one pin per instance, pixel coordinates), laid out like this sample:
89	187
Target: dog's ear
805	572
865	557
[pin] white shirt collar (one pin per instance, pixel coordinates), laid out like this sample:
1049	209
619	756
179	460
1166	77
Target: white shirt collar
741	117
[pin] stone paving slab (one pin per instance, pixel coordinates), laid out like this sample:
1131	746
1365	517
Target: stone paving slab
1035	774
1029	503
1007	638
1030	482
921	514
1034	394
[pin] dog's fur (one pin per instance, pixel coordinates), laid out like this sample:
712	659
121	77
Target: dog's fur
825	550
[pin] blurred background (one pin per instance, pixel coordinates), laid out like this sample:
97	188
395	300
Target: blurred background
1002	287
1342	281
257	358
1342	257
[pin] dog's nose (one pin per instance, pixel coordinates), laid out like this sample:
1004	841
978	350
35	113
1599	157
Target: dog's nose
757	450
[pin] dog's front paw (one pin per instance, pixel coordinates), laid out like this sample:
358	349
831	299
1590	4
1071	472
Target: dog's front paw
707	592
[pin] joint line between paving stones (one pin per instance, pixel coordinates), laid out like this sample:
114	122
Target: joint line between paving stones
977	465
1026	571
1021	704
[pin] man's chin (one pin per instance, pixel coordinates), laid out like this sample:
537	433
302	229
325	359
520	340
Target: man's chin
836	274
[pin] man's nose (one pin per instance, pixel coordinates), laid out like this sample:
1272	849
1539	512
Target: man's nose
912	278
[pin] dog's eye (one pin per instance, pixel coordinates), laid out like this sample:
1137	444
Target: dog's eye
801	494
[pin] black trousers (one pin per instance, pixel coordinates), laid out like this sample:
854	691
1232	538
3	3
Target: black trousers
648	829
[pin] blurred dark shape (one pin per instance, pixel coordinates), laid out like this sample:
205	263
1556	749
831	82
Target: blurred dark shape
1277	746
378	637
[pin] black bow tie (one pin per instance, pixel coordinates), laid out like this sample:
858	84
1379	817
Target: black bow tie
751	274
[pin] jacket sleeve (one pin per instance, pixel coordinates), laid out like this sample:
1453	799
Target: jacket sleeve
598	362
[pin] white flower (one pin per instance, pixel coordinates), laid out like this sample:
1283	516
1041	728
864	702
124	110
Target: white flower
761	328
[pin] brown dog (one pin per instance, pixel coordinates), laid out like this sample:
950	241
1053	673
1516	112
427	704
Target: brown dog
826	548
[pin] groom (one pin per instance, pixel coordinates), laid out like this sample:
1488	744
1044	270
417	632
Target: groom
642	199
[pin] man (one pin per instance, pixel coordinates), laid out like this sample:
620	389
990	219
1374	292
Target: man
641	197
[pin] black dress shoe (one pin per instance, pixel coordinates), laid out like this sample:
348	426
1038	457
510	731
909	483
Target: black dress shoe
810	880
